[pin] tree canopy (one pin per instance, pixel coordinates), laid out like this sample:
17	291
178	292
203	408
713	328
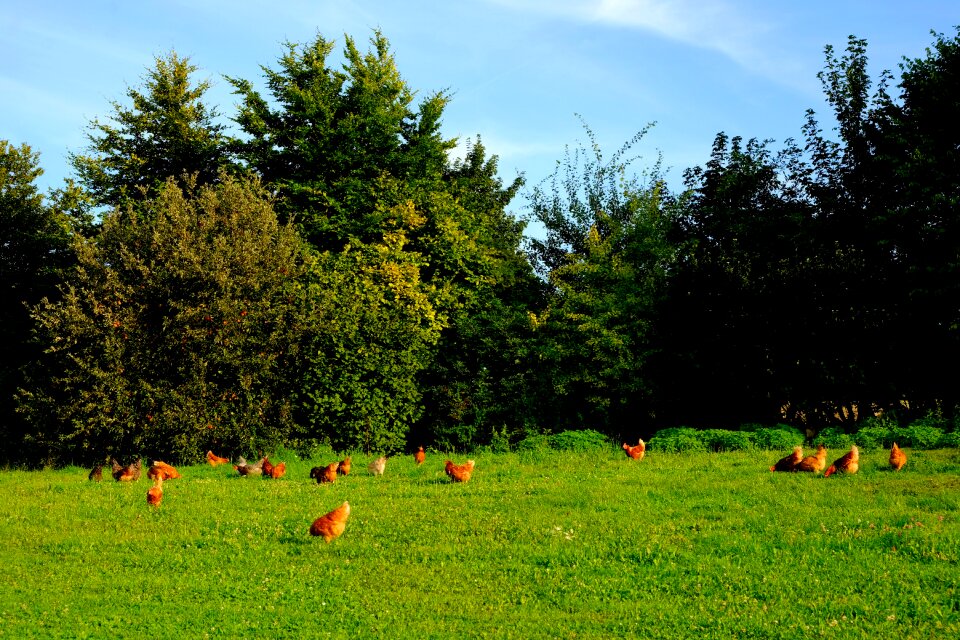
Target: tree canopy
327	272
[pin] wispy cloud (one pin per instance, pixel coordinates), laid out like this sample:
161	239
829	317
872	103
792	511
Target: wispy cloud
737	32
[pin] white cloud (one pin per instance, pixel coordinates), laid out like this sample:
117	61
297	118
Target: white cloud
733	30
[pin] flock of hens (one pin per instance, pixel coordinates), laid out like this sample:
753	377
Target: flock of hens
332	525
848	463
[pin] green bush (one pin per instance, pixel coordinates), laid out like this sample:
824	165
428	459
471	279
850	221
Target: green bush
951	439
918	436
776	438
726	440
876	433
583	440
533	444
834	438
677	440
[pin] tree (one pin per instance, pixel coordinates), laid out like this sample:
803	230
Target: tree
481	383
178	331
740	326
167	131
607	255
373	328
34	252
357	165
885	194
339	142
918	150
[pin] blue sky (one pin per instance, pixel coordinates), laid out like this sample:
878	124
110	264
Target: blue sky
519	70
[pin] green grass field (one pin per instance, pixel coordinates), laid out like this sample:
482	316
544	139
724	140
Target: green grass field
535	546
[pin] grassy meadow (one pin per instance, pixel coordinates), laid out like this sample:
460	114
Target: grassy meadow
536	545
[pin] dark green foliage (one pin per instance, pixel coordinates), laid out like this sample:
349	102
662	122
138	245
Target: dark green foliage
775	438
677	440
328	139
606	256
726	440
166	132
34	252
918	436
177	332
834	438
875	434
354	163
373	328
737	337
482	375
581	441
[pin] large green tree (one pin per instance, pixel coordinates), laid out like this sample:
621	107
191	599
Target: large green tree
34	252
886	195
740	340
178	331
342	146
607	255
165	131
482	381
355	163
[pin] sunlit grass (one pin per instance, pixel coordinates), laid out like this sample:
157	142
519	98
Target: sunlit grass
534	546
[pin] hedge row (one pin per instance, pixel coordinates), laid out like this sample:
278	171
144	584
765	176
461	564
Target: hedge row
872	435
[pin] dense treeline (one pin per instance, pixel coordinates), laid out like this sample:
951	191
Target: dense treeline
324	272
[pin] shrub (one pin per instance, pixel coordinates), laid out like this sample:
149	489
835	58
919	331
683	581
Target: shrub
677	440
951	439
834	438
776	438
726	440
582	440
876	433
919	436
533	444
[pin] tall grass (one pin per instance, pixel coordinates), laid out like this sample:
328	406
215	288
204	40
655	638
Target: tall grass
536	545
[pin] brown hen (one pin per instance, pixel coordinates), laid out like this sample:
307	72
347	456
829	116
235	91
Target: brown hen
459	473
214	459
162	470
814	463
897	457
849	463
790	462
637	451
331	525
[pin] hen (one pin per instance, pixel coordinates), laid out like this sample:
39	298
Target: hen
162	471
129	473
636	452
814	463
790	462
459	473
343	467
246	469
96	474
155	493
267	467
278	470
378	466
419	456
331	525
214	459
897	457
325	474
849	463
